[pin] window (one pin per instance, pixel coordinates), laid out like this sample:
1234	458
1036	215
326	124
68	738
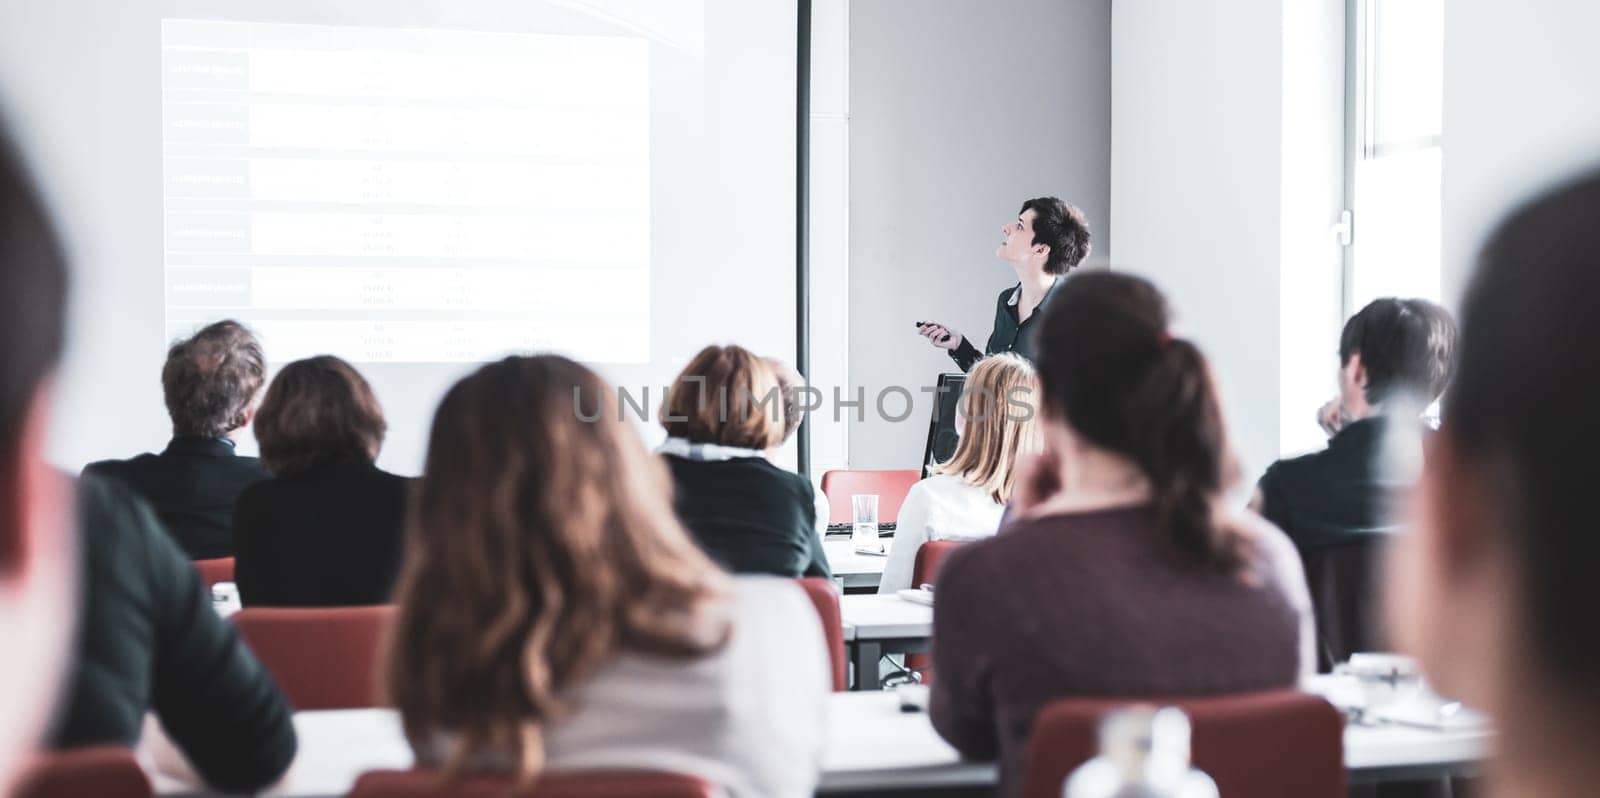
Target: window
1395	97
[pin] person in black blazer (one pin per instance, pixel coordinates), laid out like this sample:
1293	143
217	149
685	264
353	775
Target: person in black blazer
721	415
210	382
1048	239
327	528
1339	505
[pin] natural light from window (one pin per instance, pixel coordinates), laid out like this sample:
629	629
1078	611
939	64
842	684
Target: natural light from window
1395	192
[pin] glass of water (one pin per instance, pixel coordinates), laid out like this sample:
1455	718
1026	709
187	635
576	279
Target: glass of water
864	530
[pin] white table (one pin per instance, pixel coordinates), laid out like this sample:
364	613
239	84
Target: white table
870	745
1388	752
875	625
852	569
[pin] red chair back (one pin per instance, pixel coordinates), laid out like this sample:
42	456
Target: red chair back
1254	745
427	784
890	486
215	570
322	657
826	598
930	557
925	570
104	771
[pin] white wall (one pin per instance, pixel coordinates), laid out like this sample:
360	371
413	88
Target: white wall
1311	272
1520	110
1222	191
959	110
830	226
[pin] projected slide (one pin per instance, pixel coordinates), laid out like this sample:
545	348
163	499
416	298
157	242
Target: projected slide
399	195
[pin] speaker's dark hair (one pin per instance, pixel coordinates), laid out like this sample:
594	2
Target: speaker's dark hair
1063	228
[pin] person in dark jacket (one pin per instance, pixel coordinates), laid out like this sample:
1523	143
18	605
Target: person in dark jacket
721	415
1046	240
210	382
149	640
36	542
327	528
1395	358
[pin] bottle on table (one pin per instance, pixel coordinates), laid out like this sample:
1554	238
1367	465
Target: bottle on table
1144	753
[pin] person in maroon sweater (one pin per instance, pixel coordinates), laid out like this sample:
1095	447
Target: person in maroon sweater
1120	574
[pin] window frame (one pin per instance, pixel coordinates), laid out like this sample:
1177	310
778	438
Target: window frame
1361	134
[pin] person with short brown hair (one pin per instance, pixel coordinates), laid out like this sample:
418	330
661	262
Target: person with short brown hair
555	615
790	385
209	382
326	529
1048	239
721	414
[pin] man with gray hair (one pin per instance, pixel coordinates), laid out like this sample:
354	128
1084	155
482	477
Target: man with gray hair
210	382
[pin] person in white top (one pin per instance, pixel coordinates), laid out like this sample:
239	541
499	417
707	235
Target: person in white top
554	615
965	497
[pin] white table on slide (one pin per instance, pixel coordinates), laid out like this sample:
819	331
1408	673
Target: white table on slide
875	625
855	570
870	745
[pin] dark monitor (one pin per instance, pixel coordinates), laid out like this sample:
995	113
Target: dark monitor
942	435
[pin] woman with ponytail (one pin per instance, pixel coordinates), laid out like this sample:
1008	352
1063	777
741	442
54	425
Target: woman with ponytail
1122	573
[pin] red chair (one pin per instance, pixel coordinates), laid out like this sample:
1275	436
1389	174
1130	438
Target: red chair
103	771
930	557
322	657
826	598
890	486
1254	745
427	784
925	571
215	570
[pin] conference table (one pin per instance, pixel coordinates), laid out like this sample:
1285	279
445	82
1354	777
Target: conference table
871	745
876	625
853	569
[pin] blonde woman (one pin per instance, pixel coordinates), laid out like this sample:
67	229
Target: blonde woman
554	615
966	496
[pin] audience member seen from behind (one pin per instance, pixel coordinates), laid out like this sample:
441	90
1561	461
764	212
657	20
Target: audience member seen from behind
1123	573
147	639
554	614
1492	586
1338	505
36	553
964	498
722	414
790	386
327	528
210	382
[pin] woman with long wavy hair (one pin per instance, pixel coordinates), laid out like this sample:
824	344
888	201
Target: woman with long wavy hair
554	615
